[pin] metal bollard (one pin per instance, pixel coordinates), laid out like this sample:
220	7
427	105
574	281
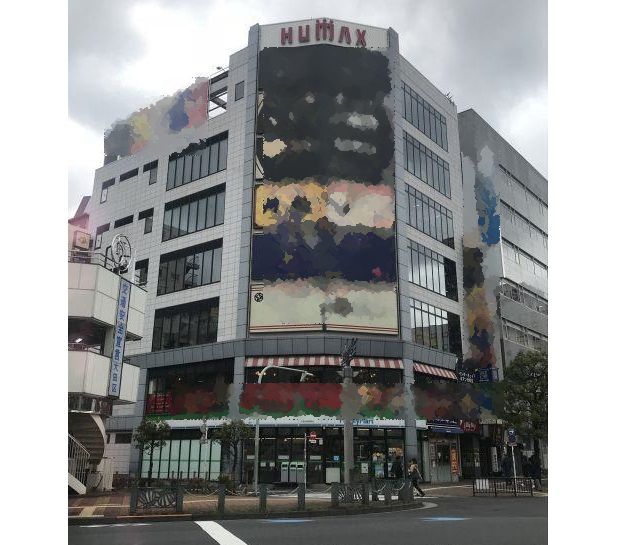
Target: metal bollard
221	499
262	498
335	494
133	501
365	493
302	490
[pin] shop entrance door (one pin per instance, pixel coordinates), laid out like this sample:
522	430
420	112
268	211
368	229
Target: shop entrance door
440	466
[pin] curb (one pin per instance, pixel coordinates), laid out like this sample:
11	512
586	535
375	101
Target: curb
80	521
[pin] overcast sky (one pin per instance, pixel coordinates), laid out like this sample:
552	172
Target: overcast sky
490	55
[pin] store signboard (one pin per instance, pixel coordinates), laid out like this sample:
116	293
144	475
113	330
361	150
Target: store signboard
453	458
120	331
469	426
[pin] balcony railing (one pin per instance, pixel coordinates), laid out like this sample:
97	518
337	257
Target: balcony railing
97	258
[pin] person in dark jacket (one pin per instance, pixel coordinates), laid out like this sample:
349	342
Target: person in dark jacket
535	471
525	466
397	468
415	474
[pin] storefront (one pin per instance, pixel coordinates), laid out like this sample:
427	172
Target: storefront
443	451
284	452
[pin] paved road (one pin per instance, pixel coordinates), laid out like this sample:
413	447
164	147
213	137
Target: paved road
454	521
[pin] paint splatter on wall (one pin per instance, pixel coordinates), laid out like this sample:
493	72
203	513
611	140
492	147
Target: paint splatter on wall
184	110
323	250
481	247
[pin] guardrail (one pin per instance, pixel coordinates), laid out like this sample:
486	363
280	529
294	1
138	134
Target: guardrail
511	486
78	460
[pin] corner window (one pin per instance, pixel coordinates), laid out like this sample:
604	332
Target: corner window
152	168
141	272
99	235
104	189
147	215
239	90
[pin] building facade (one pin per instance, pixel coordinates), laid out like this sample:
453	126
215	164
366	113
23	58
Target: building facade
309	193
505	249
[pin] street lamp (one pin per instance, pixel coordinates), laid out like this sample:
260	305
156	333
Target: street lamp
304	375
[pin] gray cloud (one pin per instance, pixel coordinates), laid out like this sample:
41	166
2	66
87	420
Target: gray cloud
491	55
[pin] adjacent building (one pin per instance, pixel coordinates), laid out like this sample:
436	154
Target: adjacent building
309	193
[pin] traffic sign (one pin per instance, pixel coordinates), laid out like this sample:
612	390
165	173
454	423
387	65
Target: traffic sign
512	437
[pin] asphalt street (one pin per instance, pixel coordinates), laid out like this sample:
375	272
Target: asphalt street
454	521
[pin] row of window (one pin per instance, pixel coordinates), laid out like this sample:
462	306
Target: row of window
186	325
146	215
524	296
427	166
514	253
185	459
189	268
524	336
424	117
431	218
432	271
523	223
435	327
511	179
198	161
151	168
194	213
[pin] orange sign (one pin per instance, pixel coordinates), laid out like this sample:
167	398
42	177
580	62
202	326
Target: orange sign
453	457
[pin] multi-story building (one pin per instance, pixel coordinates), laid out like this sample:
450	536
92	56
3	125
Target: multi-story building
309	193
104	309
505	250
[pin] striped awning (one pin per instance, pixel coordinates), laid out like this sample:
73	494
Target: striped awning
435	371
315	361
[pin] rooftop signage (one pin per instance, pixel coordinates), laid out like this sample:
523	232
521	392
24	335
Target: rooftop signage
323	31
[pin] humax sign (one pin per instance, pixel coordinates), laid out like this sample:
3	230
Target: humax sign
323	31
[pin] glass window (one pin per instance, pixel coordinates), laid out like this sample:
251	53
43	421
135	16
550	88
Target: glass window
204	162
188	163
220	208
216	275
170	286
197	159
179	274
171	174
223	154
210	211
166	226
153	175
175	223
179	171
184	219
148	224
214	154
192	217
201	213
207	267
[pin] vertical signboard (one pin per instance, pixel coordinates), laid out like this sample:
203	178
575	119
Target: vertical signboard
116	366
323	249
453	458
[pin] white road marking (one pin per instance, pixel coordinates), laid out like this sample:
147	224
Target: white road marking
219	533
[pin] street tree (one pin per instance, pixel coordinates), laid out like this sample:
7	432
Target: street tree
525	393
231	434
149	436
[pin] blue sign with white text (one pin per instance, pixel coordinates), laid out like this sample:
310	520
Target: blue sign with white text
120	331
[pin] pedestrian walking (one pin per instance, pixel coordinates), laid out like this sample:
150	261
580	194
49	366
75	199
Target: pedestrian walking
535	471
397	468
415	475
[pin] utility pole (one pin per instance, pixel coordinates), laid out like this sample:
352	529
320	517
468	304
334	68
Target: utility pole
348	353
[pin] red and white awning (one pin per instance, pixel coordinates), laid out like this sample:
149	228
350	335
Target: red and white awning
316	361
435	371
